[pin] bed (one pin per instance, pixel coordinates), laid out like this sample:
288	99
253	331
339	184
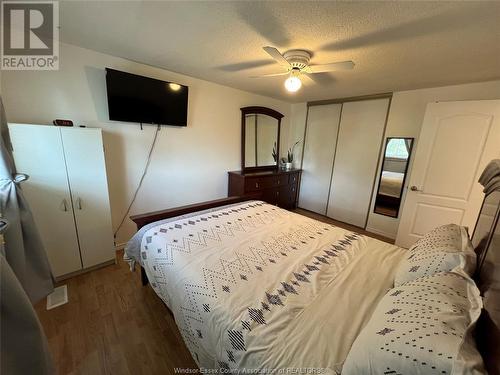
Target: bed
391	184
253	286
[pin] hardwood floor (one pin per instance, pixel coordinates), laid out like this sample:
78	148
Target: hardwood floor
340	224
114	325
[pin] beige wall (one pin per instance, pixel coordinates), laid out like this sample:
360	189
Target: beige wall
189	164
297	127
405	119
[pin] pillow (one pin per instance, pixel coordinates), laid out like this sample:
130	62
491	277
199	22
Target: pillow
428	261
422	327
450	236
442	249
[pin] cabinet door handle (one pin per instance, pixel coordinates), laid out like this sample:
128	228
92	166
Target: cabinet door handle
79	203
257	185
63	206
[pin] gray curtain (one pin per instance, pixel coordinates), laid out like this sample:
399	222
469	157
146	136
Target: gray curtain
25	275
24	348
23	246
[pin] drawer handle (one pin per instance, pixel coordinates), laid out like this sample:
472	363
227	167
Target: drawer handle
63	206
79	203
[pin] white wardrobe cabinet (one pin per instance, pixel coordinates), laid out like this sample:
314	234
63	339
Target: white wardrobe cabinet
67	191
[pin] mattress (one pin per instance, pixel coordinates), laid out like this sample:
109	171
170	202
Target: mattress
253	286
391	183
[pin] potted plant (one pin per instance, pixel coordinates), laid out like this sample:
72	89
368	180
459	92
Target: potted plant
289	157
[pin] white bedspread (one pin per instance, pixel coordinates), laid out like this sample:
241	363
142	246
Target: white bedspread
391	183
254	286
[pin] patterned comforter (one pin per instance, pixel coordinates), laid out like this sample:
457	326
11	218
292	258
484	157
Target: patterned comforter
257	287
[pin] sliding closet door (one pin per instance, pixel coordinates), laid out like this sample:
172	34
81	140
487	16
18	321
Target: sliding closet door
319	152
358	148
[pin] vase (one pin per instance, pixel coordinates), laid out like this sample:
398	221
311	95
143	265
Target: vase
288	166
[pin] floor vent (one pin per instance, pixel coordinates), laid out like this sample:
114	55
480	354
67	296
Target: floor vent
58	297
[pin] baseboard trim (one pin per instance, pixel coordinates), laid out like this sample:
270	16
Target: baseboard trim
84	270
381	233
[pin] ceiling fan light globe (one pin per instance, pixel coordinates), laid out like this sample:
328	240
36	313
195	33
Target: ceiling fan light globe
293	84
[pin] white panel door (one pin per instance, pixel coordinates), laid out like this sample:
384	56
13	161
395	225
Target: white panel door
319	152
38	153
83	149
456	142
358	148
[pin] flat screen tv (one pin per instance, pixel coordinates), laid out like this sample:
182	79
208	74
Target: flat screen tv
133	98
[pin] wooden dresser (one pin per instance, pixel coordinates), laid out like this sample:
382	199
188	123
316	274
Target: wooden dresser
277	187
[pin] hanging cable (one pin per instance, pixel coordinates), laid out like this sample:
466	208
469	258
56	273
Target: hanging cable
146	167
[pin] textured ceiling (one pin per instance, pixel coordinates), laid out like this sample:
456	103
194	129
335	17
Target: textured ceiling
395	45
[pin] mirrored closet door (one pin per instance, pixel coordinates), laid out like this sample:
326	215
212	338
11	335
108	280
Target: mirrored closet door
341	155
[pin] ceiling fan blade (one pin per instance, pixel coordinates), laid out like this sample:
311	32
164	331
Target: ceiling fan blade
307	79
322	68
270	75
276	55
322	79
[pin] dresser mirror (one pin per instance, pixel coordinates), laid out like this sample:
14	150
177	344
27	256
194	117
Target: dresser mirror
392	176
260	129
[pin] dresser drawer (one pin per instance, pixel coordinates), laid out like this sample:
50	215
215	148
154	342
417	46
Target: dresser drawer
274	187
282	180
294	178
260	183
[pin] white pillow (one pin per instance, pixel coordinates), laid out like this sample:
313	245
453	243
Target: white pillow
427	262
442	249
422	327
450	236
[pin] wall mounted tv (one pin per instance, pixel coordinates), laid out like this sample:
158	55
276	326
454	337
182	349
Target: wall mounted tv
133	98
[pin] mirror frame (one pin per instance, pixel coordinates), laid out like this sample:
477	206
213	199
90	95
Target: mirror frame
254	110
410	151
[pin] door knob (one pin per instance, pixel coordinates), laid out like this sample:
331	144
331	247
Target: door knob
414	188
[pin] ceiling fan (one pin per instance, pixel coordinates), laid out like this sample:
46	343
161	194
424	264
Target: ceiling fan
296	63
